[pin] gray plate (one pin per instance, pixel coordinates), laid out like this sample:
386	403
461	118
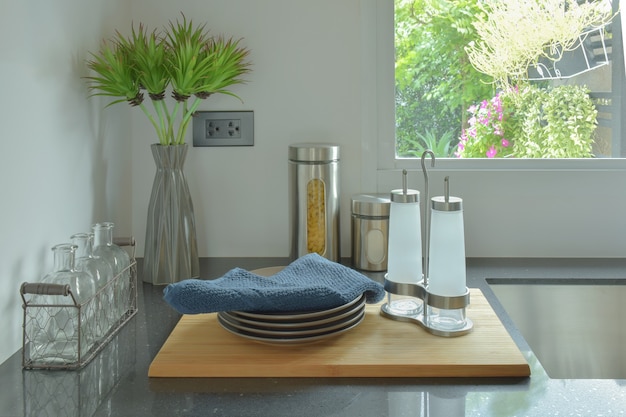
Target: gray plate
299	324
293	332
291	340
297	317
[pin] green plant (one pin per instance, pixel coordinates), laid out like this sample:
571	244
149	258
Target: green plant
430	39
532	122
434	79
557	123
527	124
442	146
184	59
489	133
518	32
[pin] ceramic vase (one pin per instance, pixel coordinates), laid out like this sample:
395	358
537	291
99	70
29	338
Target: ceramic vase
171	249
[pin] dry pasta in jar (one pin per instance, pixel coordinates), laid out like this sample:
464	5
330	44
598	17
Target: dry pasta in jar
316	217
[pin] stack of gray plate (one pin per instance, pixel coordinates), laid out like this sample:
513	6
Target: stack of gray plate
294	327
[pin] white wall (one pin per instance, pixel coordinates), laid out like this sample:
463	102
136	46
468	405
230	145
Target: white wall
304	86
65	161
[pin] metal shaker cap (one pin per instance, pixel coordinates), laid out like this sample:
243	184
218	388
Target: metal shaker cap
373	205
405	195
445	202
313	152
440	203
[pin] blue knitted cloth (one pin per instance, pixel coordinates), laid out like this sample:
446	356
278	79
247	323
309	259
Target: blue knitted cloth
309	283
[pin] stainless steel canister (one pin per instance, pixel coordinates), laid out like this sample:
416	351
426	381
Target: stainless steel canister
314	200
370	231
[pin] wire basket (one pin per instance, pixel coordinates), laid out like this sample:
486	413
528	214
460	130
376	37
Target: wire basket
67	335
80	392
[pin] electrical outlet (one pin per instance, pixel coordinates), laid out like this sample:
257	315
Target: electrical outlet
223	128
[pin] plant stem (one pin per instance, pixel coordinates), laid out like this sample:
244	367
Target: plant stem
154	123
184	124
170	130
170	121
160	107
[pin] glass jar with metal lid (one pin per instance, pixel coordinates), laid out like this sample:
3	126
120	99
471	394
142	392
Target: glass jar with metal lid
314	200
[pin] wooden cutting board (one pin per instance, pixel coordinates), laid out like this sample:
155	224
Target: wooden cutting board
378	347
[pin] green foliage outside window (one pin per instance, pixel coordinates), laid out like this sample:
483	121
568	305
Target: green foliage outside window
435	81
445	104
508	44
558	122
531	122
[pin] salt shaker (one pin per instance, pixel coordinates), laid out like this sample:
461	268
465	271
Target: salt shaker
405	248
446	274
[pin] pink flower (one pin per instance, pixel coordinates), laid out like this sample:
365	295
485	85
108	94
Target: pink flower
505	143
498	104
491	152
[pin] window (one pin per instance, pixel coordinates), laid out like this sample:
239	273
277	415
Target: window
443	103
519	207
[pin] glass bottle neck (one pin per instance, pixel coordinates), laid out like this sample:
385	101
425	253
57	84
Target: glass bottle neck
103	234
83	241
64	256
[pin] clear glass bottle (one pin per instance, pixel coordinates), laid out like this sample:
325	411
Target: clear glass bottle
119	260
102	272
59	342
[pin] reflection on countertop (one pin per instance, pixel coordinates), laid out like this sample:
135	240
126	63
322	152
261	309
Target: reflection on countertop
116	382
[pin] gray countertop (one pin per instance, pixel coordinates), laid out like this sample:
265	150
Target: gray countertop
115	383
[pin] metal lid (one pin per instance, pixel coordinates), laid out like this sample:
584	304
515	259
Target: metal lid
405	196
439	203
445	202
371	205
313	152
